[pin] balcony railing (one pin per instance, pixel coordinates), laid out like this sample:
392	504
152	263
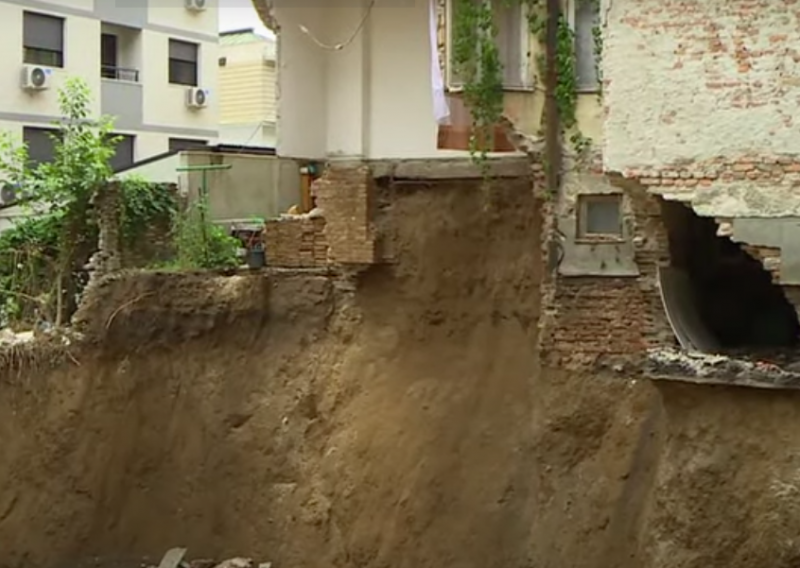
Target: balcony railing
119	73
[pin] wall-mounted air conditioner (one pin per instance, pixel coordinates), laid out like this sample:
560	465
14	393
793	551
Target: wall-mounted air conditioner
196	97
196	5
35	77
8	193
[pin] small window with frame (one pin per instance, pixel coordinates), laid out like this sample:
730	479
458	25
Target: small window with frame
43	39
600	217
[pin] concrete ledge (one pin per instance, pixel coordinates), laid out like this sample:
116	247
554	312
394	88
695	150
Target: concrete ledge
515	166
705	369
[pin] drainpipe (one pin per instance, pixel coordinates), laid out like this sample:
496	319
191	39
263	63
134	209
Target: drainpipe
552	151
553	123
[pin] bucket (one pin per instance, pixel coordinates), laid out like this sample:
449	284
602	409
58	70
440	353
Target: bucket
256	258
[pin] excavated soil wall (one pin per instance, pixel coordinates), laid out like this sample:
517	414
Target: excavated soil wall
394	419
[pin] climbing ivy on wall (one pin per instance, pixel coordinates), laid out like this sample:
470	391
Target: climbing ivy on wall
476	60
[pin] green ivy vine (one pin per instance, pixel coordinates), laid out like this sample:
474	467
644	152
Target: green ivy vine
476	61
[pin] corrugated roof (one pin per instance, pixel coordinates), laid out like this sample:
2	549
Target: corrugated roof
245	36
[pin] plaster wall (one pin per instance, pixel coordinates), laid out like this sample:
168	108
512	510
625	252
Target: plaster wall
598	258
77	61
164	103
254	187
688	81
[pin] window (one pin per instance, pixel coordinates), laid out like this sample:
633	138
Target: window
512	43
585	19
40	143
600	216
43	40
108	56
179	144
183	62
123	151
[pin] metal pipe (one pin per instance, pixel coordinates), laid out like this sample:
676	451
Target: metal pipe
553	123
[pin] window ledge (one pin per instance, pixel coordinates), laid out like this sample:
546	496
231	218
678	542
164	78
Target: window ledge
122	81
458	90
600	240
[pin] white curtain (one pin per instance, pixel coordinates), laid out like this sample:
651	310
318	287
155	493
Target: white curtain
441	111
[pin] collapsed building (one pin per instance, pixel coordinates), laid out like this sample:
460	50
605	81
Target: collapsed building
671	231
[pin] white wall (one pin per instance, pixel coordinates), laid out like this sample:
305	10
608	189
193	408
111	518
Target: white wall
173	14
302	84
164	104
78	60
373	99
253	134
164	107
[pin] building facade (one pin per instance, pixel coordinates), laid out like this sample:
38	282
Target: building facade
247	88
150	65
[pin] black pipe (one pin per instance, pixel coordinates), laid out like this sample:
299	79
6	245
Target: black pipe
553	153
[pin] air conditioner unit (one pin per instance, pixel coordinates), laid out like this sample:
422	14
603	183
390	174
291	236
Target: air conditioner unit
196	5
36	78
8	193
196	97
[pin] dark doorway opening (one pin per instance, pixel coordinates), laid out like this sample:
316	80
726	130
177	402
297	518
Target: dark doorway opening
733	295
108	56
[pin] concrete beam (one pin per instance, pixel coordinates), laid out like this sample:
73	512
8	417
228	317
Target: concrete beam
698	368
515	166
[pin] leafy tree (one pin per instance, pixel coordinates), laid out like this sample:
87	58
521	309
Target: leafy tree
62	190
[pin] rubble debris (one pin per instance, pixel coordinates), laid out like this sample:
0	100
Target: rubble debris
236	563
172	558
719	369
9	337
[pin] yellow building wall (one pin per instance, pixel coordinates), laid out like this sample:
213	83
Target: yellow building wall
247	85
525	108
247	92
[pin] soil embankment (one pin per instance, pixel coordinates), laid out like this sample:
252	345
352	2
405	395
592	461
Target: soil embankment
401	424
390	426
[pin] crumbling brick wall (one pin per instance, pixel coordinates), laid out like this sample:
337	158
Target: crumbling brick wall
297	242
769	257
602	320
346	196
716	81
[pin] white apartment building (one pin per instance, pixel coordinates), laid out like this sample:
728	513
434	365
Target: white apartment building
148	62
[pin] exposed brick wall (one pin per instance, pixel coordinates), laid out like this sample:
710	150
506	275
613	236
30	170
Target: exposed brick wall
769	169
296	242
599	320
595	318
346	196
689	81
769	257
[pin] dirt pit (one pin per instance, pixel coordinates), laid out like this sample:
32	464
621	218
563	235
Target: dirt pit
398	420
284	418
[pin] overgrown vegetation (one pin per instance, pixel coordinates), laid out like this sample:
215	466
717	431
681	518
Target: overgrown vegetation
43	258
199	243
476	60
